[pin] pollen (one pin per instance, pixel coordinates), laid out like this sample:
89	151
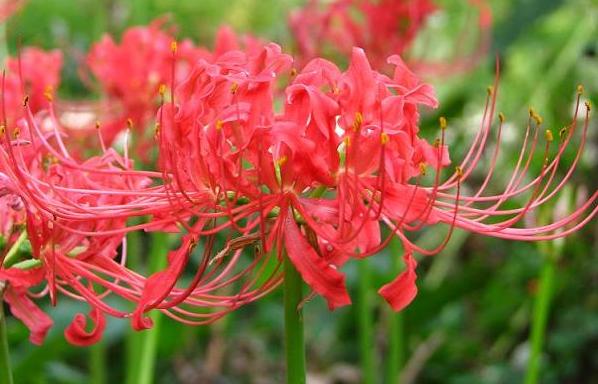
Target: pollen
2	130
25	100
580	89
130	123
459	172
384	138
490	90
173	46
563	131
162	89
282	160
17	132
423	168
588	105
443	123
293	72
218	125
49	93
501	117
347	141
98	125
436	143
548	135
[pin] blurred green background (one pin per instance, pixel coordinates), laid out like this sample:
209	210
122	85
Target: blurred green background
470	322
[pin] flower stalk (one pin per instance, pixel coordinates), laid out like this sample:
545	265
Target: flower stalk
365	324
5	368
293	324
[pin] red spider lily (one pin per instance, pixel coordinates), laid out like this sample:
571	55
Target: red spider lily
317	179
380	27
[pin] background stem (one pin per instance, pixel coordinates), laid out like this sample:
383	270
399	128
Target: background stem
293	320
97	357
540	319
5	368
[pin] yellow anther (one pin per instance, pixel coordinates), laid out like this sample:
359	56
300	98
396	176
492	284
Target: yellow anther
347	141
282	160
538	119
531	112
459	172
219	125
580	89
501	117
442	122
162	90
490	90
423	169
384	138
336	91
25	100
98	125
548	135
2	129
49	93
293	72
588	105
17	132
436	143
563	131
173	46
234	88
130	123
357	121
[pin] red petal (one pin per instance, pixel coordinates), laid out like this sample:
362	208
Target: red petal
314	270
77	334
25	310
402	290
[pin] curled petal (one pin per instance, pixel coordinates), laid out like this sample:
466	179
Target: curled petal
314	270
77	334
402	290
30	314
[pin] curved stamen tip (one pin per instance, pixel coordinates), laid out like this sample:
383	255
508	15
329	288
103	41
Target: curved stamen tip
548	135
218	125
17	133
293	72
588	105
501	117
580	89
358	121
2	130
162	90
443	123
234	88
490	90
459	172
130	123
173	46
25	100
98	124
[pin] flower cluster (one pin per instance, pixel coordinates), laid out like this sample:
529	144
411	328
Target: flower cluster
257	162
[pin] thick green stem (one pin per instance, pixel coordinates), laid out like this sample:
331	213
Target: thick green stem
365	324
149	339
293	324
540	319
5	369
97	363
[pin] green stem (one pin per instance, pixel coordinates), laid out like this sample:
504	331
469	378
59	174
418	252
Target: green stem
396	342
149	341
133	340
5	369
97	360
365	324
293	324
540	318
